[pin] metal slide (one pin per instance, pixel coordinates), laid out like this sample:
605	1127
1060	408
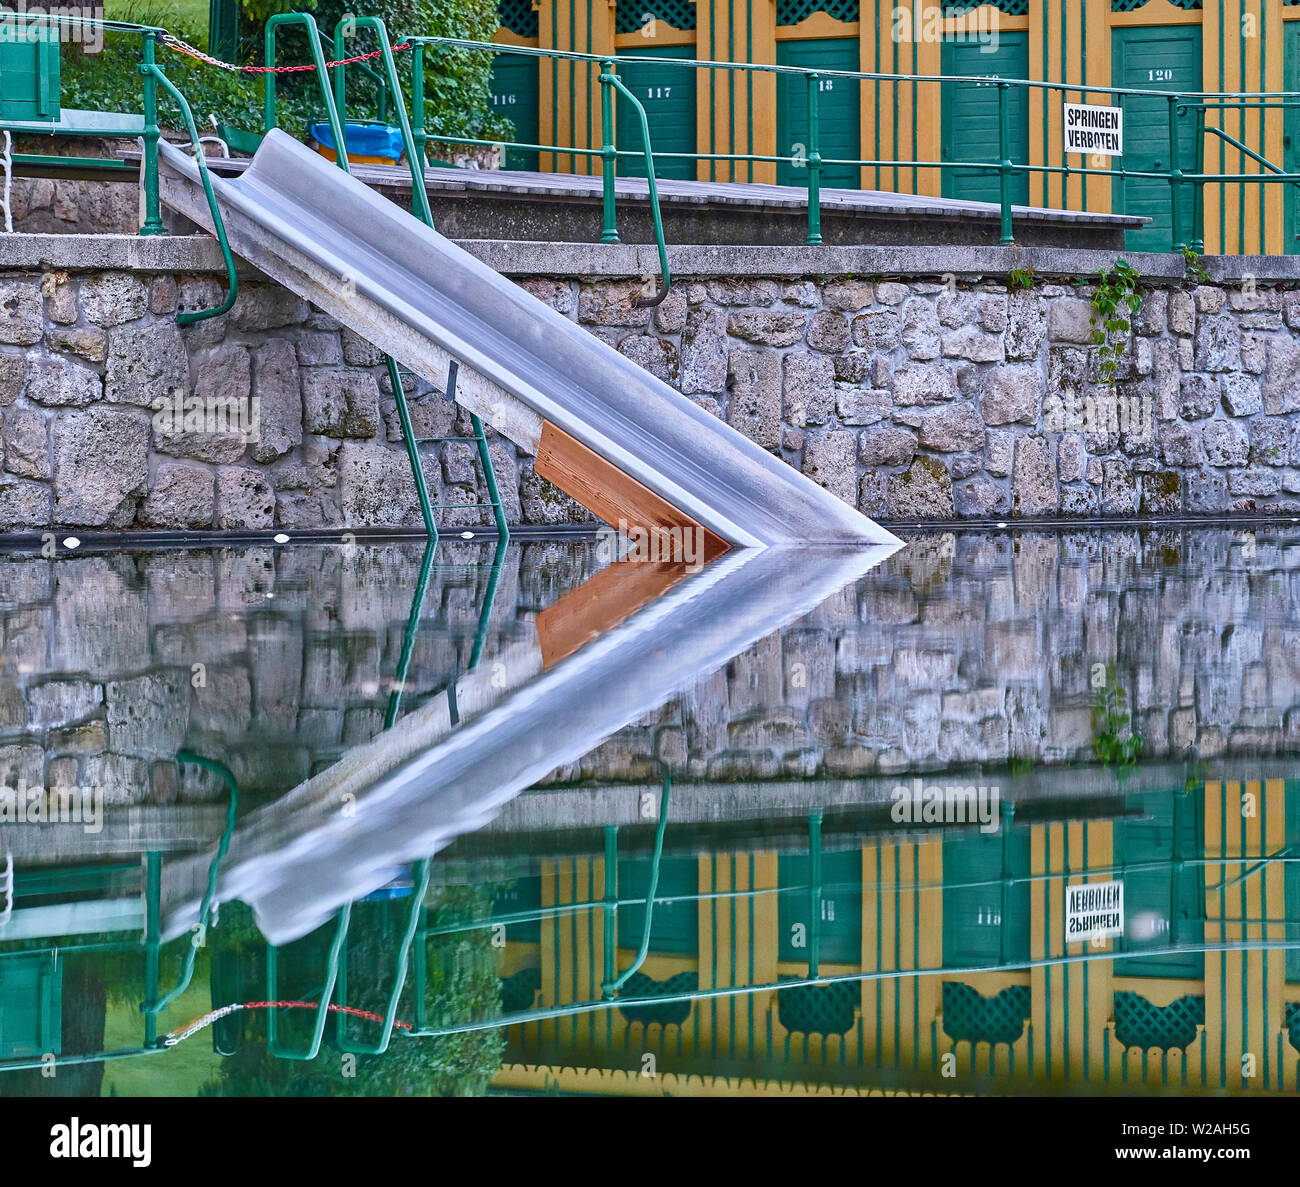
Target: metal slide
523	368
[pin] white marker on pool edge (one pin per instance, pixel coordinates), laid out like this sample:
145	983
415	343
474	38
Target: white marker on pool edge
467	535
72	542
280	538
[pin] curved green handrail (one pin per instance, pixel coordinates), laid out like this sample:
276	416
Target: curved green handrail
609	78
151	70
223	772
322	76
326	994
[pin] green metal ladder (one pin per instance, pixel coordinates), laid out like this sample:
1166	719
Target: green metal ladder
334	99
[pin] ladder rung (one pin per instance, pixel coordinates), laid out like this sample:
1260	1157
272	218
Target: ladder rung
458	506
430	440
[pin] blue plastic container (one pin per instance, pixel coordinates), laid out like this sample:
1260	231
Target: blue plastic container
363	140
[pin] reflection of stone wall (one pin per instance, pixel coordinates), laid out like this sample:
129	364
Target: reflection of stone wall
298	651
910	400
979	649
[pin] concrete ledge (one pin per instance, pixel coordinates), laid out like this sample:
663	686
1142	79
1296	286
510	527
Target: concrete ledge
92	253
200	254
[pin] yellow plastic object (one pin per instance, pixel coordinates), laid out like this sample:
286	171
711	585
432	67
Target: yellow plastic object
356	158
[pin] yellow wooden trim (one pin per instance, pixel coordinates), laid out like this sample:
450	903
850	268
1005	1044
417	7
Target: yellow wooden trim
1000	21
504	36
1155	13
665	35
816	27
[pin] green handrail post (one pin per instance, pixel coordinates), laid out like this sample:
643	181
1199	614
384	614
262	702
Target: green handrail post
1175	179
652	185
326	996
418	133
322	75
412	449
610	910
489	597
153	72
608	153
1004	161
419	195
152	942
814	162
153	224
412	629
814	891
1198	194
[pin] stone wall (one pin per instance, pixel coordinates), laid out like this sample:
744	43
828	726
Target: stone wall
914	399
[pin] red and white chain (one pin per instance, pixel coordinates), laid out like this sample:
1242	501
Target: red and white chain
171	41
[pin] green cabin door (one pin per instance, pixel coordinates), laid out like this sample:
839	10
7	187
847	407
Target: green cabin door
969	120
29	74
514	96
1160	59
985	898
838	109
667	93
839	931
1291	137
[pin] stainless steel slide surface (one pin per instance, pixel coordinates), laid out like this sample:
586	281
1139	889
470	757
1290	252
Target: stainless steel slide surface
415	294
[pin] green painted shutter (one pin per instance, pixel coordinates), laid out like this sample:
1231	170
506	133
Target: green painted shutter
985	913
969	121
31	1004
840	933
1164	905
514	96
1159	59
667	93
838	107
29	76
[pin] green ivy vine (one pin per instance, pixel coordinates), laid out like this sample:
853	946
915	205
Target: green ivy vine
1115	299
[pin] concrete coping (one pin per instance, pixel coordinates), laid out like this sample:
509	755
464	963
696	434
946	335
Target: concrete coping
607	261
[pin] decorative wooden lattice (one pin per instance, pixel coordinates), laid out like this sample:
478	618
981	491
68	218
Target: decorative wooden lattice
818	1009
1293	1008
1173	1027
519	991
791	12
970	1017
666	1013
518	16
631	15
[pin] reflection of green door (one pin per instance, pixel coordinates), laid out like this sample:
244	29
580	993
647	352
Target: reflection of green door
1291	880
31	1009
1164	903
969	122
1158	59
1291	137
838	115
514	97
667	93
675	926
840	930
985	910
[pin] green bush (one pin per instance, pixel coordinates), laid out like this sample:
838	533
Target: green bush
458	101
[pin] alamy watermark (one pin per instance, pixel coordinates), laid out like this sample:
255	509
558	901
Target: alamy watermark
921	22
678	545
225	415
1104	413
77	24
948	804
37	804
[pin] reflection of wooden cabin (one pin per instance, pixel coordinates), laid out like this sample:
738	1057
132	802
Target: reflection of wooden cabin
1193	875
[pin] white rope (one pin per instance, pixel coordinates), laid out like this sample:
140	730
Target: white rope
7	167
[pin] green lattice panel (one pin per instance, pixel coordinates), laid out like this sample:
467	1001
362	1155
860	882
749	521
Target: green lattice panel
631	15
791	12
818	1009
970	1017
1293	1008
1134	5
518	16
1173	1027
665	1013
1009	7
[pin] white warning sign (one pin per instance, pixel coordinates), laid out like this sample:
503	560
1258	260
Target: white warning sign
1094	911
1094	130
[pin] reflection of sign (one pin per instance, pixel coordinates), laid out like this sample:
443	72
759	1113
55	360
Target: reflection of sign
1098	130
1094	911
